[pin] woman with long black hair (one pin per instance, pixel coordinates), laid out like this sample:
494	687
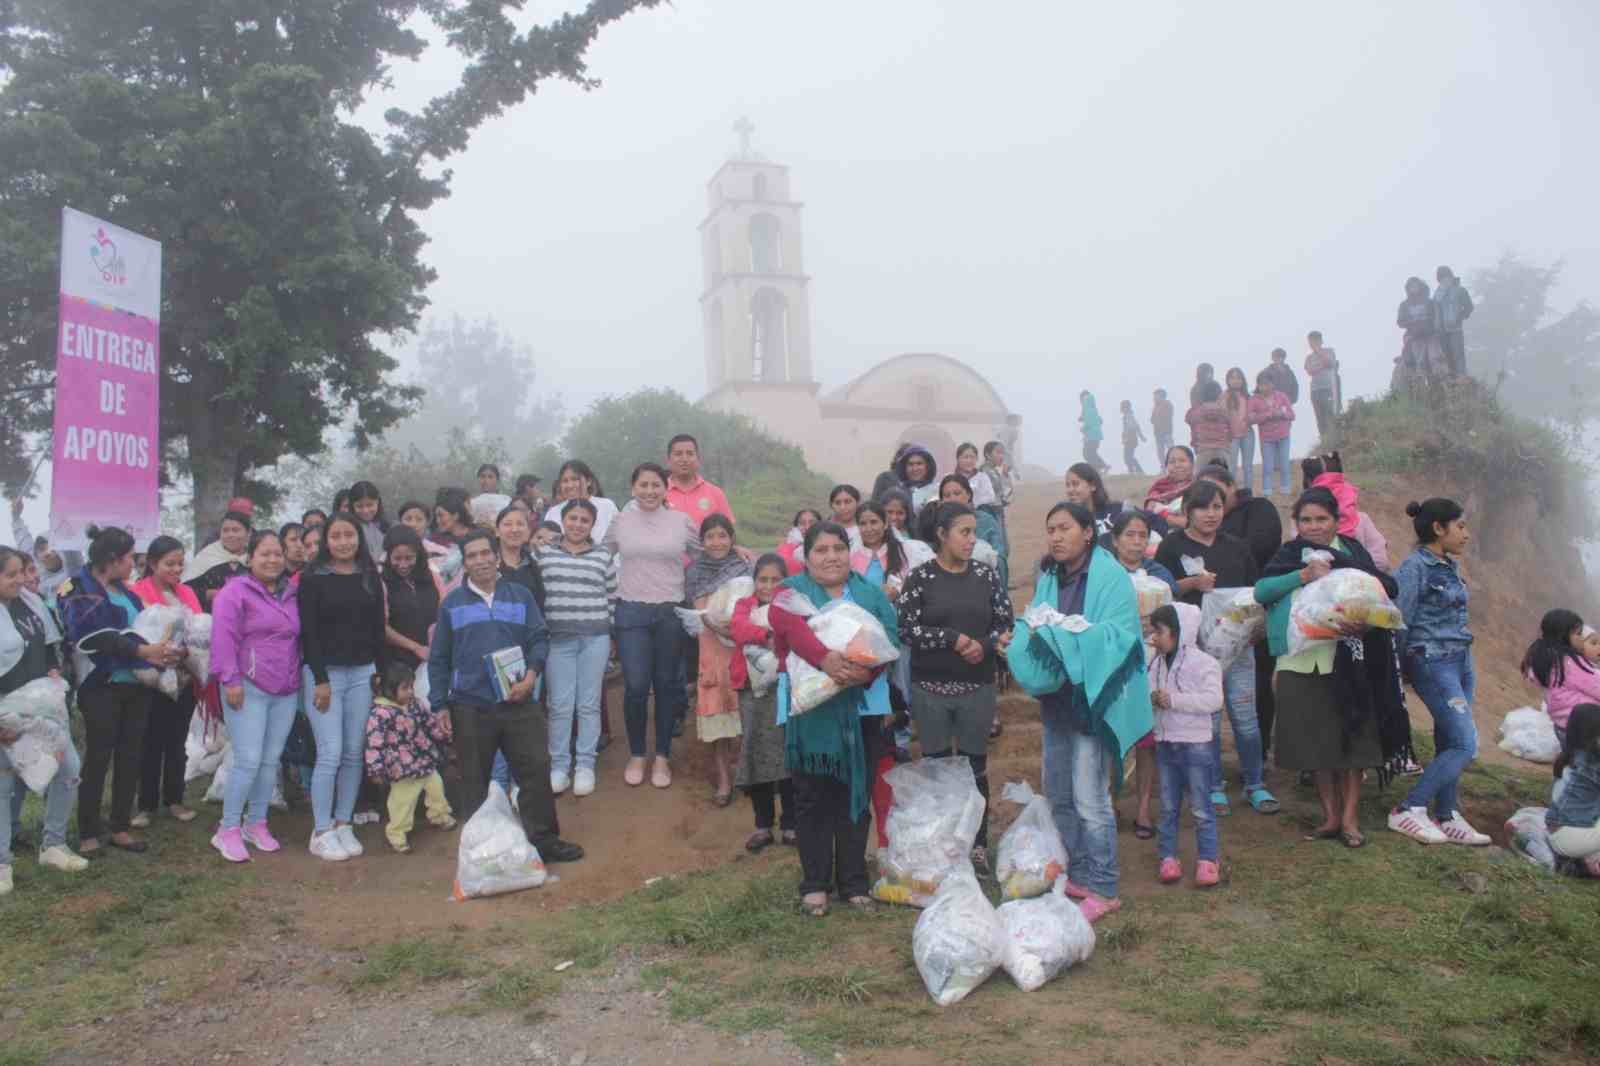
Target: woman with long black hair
162	764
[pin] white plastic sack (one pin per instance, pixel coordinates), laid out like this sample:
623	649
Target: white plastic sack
1530	838
219	782
1529	734
983	552
197	646
38	712
203	748
486	507
1152	592
720	604
762	666
1344	603
420	687
1041	615
841	626
958	941
1031	855
495	856
931	826
1044	936
1230	622
157	624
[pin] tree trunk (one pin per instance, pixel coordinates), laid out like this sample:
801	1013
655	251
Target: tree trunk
214	454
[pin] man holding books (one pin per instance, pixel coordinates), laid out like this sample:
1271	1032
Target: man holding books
487	651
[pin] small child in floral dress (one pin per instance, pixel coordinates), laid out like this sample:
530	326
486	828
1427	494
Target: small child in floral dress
405	748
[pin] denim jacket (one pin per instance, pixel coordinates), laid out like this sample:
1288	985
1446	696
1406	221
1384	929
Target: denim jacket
1579	805
1433	600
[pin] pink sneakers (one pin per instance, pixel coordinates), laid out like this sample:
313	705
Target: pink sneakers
1171	872
1096	907
1206	874
258	837
231	843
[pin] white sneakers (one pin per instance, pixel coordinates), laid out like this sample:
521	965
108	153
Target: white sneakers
559	782
1459	831
326	846
1415	823
62	858
347	840
582	782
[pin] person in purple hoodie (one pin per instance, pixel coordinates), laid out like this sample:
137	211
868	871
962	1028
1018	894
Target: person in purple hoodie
255	657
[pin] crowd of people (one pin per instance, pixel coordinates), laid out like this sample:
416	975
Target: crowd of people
474	636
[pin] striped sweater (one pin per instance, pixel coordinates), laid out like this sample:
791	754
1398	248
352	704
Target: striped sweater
580	589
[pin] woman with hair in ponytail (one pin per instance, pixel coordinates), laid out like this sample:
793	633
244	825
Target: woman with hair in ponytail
162	765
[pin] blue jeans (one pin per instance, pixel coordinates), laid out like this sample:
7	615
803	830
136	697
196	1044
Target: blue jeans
575	672
1275	456
257	731
1163	446
650	645
1078	786
1186	768
1239	698
1446	685
341	733
1244	457
59	797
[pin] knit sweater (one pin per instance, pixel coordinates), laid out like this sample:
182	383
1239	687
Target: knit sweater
580	589
652	546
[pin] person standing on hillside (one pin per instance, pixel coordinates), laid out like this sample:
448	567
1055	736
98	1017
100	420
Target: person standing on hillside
687	491
1203	373
1093	431
1132	437
1455	307
1283	375
1272	412
1161	413
1000	475
1210	431
1323	368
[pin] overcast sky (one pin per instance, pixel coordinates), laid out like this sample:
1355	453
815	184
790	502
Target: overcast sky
1063	195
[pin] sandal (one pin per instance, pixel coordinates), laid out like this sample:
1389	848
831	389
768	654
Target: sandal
761	838
815	910
1142	831
1219	804
1352	840
722	799
130	845
1263	801
1323	834
864	904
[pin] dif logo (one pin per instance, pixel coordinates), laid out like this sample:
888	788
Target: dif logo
107	259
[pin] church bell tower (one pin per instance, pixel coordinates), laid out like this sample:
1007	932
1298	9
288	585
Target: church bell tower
754	304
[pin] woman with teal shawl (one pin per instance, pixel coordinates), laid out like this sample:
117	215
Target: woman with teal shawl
830	751
1094	696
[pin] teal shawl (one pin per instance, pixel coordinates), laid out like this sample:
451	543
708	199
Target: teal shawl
1106	661
826	741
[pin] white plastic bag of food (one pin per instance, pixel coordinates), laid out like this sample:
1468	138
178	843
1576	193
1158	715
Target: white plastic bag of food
204	747
38	713
958	941
1042	615
495	856
762	664
219	776
1044	936
1230	622
156	624
197	646
1345	603
36	757
984	552
1151	591
931	826
718	611
1031	855
841	626
1529	734
1530	838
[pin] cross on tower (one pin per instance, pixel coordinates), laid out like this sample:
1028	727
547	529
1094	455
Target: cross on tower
744	128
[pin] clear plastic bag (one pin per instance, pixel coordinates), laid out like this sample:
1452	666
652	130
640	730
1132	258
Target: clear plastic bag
1044	936
197	646
1345	603
495	857
1528	836
1152	592
421	688
157	624
1529	734
931	826
719	606
762	665
1031	855
203	748
841	626
958	941
1230	622
38	712
1043	615
984	552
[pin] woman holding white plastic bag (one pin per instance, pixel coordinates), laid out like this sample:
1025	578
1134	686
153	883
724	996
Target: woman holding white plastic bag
255	657
1129	535
30	649
161	765
830	749
721	669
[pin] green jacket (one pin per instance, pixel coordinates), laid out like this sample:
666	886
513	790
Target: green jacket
1105	662
1276	594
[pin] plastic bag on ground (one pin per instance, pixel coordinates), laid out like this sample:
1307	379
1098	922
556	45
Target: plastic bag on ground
1031	855
197	646
1528	837
495	856
203	748
1344	603
1529	734
156	624
1230	622
1151	591
216	790
958	941
841	626
1044	936
931	826
38	712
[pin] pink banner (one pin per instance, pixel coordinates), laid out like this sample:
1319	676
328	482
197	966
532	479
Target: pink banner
107	458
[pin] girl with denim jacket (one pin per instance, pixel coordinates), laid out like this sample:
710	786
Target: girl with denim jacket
1574	817
1436	658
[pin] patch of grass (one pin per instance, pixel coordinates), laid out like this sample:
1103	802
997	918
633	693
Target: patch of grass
414	959
854	984
516	988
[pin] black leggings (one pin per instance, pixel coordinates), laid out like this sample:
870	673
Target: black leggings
764	801
115	716
161	766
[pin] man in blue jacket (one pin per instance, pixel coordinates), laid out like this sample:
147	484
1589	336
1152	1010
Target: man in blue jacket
485	615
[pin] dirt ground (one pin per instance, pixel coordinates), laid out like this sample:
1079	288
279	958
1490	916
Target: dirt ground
274	996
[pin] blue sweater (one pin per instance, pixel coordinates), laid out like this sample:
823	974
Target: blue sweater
469	631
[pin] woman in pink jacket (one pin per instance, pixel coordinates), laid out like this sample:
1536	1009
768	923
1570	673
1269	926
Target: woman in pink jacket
162	761
1556	663
255	657
1186	694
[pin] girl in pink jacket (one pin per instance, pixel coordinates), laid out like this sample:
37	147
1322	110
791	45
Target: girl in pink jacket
1557	664
1186	695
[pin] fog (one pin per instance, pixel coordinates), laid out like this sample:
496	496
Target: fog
1065	196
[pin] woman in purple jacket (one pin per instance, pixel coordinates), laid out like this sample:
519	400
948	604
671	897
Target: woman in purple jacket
255	656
